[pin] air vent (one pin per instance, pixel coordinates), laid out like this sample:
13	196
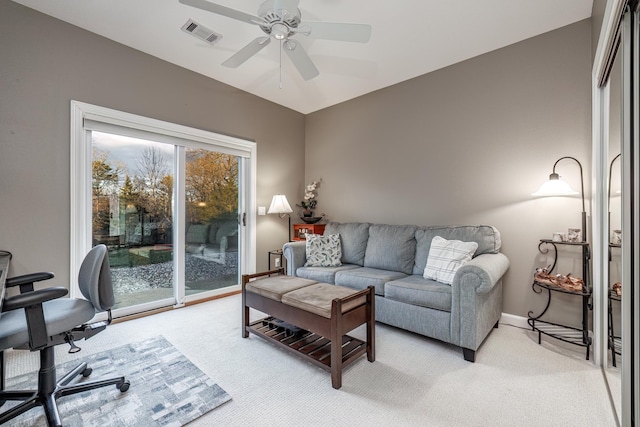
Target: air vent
201	32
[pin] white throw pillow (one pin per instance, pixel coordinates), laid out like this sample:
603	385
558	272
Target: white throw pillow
323	251
446	257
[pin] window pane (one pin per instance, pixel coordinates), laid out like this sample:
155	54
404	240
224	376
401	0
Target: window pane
132	188
211	193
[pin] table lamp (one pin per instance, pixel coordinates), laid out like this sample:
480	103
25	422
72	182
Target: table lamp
280	206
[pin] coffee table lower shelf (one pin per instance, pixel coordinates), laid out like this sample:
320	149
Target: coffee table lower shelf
310	346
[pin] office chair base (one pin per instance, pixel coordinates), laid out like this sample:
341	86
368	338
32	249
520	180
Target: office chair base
49	390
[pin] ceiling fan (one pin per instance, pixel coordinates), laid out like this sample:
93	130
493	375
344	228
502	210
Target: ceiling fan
282	20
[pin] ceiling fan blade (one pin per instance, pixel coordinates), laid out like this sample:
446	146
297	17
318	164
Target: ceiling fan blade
247	52
359	33
300	59
222	10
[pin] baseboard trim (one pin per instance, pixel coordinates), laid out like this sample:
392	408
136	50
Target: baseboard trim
513	320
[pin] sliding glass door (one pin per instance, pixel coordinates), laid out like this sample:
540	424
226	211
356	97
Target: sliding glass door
132	213
211	221
132	193
168	201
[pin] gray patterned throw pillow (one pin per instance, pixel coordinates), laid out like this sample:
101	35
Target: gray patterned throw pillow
323	251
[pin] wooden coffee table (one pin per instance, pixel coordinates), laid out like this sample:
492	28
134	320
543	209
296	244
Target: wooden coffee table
310	318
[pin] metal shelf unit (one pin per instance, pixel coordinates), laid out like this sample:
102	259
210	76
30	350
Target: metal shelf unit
577	336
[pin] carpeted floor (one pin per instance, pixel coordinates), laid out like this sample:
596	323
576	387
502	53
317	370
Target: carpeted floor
414	381
166	389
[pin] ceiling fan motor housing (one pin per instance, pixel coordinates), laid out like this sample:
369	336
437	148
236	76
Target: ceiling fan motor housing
280	22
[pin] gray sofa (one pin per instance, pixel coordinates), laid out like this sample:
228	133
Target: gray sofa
213	240
393	259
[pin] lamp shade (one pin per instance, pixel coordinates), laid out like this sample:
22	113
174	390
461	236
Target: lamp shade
555	187
279	205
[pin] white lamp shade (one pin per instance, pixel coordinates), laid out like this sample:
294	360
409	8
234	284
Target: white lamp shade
555	187
279	205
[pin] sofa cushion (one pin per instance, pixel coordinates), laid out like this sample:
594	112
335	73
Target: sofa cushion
363	277
446	257
417	290
486	236
319	297
275	286
353	239
391	247
323	250
197	233
323	274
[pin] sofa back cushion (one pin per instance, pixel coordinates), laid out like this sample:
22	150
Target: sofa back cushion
197	233
213	230
391	247
353	240
226	228
486	236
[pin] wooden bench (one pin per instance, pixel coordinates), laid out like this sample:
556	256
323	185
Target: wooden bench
316	318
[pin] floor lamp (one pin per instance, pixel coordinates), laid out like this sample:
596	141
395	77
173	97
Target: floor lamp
557	187
280	206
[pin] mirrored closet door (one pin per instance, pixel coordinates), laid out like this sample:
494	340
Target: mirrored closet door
617	164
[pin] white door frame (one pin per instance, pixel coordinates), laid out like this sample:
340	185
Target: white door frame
80	239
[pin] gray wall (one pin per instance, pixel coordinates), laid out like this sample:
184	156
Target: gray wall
45	63
597	16
468	144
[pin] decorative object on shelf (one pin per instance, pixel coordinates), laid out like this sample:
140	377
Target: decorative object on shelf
617	288
311	219
616	237
557	187
280	205
573	235
568	282
309	203
300	231
559	236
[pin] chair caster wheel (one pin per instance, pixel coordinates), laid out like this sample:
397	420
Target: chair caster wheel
124	386
87	372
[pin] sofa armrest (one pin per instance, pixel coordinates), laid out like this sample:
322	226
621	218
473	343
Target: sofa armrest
488	268
296	255
476	303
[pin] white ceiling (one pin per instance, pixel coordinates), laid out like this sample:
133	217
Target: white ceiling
409	38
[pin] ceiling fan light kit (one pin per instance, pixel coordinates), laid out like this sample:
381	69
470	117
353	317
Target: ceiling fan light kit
282	20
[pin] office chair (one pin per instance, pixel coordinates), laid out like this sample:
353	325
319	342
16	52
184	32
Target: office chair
38	320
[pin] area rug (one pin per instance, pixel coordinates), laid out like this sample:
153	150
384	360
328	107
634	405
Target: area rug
166	389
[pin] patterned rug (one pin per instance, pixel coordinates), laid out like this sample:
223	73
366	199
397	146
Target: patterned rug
166	390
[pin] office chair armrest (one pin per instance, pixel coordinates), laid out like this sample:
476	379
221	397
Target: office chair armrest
33	298
28	278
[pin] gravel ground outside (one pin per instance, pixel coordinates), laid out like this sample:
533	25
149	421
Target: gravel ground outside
199	272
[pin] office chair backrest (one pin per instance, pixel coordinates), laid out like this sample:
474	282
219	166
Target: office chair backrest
94	279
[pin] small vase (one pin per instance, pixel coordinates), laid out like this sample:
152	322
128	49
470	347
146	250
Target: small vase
307	213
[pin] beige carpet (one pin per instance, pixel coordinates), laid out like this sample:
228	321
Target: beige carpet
413	382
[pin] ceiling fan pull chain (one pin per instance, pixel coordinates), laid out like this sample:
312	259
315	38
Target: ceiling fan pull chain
280	64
